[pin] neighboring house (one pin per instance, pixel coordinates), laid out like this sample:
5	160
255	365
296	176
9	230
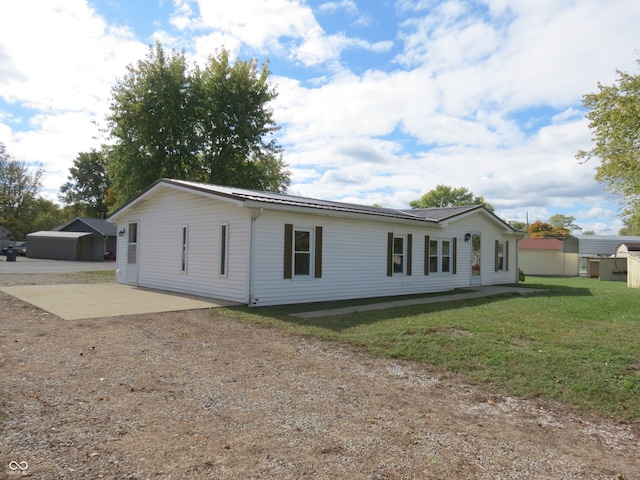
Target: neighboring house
6	237
79	246
97	226
549	256
263	248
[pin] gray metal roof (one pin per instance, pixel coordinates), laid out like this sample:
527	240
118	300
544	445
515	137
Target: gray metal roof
603	244
291	200
55	234
431	215
101	226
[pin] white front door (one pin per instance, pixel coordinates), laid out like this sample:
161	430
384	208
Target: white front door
132	254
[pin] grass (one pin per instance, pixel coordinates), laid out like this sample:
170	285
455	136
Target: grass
579	343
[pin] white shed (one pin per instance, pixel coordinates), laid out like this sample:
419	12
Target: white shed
263	248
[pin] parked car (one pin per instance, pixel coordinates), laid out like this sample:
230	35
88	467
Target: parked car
19	247
22	248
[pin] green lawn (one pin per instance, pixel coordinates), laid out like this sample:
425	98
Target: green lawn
579	343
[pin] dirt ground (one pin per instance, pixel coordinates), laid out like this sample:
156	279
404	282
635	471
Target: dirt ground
196	395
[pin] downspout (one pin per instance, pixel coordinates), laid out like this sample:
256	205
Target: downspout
255	214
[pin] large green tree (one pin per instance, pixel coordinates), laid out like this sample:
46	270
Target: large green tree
540	229
210	124
566	222
87	185
19	189
614	115
631	225
446	196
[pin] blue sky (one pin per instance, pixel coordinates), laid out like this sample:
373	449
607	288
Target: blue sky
379	100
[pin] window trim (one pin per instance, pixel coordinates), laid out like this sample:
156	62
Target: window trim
309	252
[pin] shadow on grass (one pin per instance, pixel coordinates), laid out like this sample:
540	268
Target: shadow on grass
343	321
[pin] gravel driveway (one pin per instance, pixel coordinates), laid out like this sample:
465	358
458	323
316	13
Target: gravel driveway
196	395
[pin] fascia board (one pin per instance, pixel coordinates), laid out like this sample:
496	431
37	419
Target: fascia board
319	212
507	229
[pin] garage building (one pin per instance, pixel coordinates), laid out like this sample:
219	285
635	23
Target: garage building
83	246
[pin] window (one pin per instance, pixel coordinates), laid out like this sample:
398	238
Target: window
302	252
433	256
446	256
502	256
224	247
185	238
399	250
398	254
440	255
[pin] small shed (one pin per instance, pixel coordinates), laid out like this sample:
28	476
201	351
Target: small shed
83	246
612	269
549	256
627	247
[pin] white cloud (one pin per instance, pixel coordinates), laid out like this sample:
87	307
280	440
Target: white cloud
481	94
63	80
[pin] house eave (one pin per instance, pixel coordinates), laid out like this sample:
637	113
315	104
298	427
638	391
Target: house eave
306	210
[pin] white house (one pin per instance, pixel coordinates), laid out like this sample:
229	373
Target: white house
263	248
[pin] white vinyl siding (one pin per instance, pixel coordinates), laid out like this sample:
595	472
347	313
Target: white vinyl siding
348	269
160	259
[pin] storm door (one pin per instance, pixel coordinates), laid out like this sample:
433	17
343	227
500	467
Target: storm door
476	257
132	254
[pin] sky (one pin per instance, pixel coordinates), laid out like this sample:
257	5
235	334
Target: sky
379	101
